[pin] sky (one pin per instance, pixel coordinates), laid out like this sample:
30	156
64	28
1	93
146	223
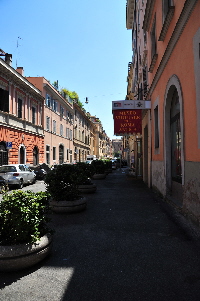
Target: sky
84	44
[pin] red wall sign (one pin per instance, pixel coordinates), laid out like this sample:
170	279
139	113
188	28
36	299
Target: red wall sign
127	121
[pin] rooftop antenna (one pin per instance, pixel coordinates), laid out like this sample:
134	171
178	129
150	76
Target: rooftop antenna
17	47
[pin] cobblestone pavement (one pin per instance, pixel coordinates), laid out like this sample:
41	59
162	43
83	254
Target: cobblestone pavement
127	245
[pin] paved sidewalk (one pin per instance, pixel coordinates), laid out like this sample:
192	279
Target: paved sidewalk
127	245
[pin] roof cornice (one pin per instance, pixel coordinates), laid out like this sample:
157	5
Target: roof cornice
130	6
10	72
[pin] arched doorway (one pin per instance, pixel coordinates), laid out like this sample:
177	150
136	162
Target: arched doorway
22	157
3	154
35	156
61	154
174	151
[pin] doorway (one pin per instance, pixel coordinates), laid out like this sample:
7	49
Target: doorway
61	154
22	155
174	153
3	154
35	156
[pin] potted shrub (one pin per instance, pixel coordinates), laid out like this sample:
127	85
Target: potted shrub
84	173
25	238
108	166
62	184
99	168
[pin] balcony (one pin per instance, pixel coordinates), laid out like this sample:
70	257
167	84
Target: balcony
14	122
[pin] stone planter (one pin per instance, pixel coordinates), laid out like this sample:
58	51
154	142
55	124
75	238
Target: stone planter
108	171
99	176
69	206
18	257
87	188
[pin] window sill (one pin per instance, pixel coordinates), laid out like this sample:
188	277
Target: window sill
166	23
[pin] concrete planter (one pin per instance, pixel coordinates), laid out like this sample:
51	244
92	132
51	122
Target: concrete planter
99	176
87	188
69	206
18	257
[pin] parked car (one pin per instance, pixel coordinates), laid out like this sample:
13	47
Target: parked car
17	174
114	164
40	172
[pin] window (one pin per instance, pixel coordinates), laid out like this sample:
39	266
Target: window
61	130
153	40
19	108
145	80
54	126
47	154
33	115
67	154
55	105
154	54
48	100
4	100
48	123
61	111
54	153
67	133
156	127
70	135
167	15
166	7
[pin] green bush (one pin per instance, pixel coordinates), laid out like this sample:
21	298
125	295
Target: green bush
84	171
23	217
99	166
62	183
108	164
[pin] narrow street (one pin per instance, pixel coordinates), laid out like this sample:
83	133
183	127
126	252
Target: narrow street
127	245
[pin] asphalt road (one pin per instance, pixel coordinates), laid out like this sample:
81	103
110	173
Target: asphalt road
127	245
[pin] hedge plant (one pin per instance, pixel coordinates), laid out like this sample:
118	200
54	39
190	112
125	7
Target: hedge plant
62	183
23	217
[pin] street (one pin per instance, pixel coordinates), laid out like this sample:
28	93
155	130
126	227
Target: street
127	245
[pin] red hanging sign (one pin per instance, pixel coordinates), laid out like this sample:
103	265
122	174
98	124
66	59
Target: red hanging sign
127	121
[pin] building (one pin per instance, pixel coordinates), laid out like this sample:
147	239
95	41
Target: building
166	39
58	123
83	134
21	117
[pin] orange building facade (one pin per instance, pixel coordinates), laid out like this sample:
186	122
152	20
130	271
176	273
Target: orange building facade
58	123
166	43
21	115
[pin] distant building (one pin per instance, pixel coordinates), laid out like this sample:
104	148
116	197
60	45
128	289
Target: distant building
58	123
117	145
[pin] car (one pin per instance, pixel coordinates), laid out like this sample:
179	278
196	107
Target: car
114	164
39	171
17	175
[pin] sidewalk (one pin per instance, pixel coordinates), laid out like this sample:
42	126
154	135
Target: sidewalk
127	245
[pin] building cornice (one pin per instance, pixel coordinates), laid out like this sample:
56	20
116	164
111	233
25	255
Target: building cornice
130	6
16	77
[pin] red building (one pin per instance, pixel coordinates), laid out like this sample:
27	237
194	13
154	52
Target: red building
21	115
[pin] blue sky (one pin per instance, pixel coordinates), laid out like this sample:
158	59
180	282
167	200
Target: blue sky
84	44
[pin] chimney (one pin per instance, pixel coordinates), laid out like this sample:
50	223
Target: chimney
20	70
8	59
